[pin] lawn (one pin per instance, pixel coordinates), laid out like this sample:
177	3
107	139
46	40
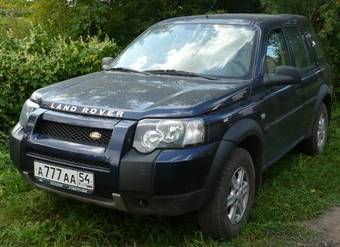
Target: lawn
18	26
296	189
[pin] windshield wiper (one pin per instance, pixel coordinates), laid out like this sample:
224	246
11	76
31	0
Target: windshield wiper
127	70
179	72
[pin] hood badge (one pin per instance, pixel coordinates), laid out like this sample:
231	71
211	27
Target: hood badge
95	135
86	110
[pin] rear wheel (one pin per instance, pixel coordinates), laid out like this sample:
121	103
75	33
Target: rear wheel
316	143
227	212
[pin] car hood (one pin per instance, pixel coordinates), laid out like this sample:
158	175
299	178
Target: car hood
134	96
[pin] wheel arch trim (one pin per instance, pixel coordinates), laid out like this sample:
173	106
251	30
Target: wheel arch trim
234	136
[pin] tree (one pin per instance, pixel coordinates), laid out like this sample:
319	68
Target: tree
124	20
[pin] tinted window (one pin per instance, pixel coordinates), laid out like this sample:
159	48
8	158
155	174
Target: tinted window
299	48
314	41
210	49
277	53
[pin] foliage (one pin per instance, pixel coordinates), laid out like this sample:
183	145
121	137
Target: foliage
19	26
15	15
18	8
325	16
38	60
124	20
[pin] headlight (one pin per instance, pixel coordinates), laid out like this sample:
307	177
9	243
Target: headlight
27	109
168	133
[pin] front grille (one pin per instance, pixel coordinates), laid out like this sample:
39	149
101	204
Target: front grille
75	161
73	133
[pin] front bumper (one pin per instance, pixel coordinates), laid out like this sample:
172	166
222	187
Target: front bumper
116	202
165	182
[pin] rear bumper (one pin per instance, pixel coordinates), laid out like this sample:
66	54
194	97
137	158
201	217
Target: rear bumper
167	182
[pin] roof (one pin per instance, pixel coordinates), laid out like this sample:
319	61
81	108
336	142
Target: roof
246	19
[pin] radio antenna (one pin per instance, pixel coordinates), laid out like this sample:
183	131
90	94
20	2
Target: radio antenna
211	7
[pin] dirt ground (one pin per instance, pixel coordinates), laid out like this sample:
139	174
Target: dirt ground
329	227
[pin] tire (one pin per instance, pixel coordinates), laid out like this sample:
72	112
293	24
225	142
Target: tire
314	144
214	218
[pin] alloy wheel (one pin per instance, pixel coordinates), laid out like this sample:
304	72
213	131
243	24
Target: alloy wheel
237	199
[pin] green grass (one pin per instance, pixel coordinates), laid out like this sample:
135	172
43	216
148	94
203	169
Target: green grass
296	189
19	26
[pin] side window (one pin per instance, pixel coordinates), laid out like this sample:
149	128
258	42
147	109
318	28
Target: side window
277	53
314	41
299	48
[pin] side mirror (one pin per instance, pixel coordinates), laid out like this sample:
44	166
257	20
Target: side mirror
284	75
107	63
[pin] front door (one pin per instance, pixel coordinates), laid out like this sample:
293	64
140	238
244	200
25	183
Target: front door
281	104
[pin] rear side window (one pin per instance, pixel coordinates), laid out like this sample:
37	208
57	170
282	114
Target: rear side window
314	41
299	48
277	53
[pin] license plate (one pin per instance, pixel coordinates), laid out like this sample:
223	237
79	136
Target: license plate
64	178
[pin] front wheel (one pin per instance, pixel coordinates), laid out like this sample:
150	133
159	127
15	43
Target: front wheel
228	210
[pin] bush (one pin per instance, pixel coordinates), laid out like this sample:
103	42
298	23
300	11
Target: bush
39	60
123	20
330	37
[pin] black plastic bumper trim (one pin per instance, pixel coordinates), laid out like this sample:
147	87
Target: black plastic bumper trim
116	202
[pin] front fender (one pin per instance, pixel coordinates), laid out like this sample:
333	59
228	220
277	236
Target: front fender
242	129
230	141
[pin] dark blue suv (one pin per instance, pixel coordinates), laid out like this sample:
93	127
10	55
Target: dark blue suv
185	119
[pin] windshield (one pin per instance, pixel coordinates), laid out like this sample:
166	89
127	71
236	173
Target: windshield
207	49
